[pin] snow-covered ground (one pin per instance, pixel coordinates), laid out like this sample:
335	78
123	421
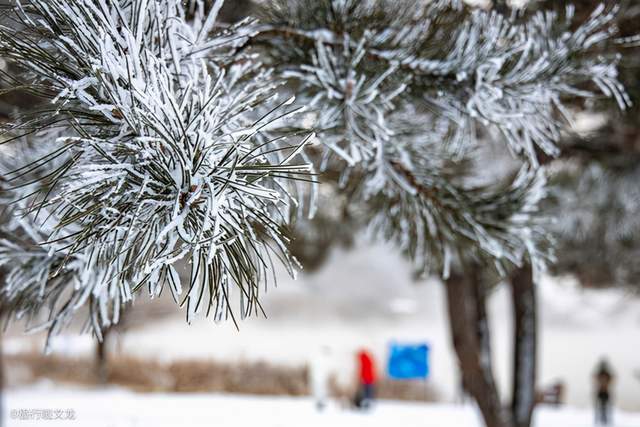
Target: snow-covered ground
113	408
366	297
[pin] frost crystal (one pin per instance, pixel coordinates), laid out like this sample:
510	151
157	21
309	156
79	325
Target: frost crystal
154	152
405	94
164	156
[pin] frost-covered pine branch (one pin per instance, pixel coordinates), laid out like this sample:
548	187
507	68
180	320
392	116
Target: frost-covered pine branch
162	138
151	148
444	223
395	86
472	66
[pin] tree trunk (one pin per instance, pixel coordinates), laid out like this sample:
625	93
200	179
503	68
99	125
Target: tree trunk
525	337
470	333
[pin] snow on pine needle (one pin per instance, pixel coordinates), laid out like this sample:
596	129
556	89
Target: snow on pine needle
348	100
157	153
476	67
392	83
39	277
446	223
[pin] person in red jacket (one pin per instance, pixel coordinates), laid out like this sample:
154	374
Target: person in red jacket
367	380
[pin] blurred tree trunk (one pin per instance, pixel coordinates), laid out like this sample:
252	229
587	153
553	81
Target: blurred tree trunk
523	296
466	299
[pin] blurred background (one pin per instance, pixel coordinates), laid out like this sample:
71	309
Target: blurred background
355	295
364	297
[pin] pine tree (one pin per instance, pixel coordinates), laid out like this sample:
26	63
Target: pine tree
151	145
164	135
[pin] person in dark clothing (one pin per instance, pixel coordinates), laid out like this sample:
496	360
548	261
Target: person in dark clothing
603	380
367	379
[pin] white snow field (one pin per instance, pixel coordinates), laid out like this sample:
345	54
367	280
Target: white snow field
117	408
366	297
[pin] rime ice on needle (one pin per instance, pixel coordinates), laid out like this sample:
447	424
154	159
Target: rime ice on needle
406	91
154	149
164	140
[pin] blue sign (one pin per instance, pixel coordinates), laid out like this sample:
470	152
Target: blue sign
408	362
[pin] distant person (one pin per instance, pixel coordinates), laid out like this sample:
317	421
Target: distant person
603	380
367	380
319	377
